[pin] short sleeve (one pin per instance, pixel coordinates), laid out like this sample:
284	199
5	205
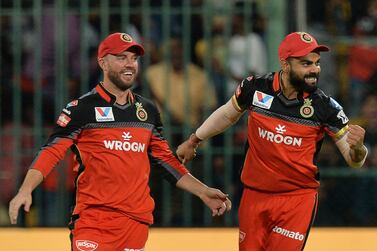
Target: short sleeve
243	94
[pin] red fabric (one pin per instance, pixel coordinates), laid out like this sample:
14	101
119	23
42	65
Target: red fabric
104	230
362	62
274	174
276	222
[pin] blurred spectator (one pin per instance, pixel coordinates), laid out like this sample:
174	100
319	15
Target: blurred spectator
362	58
247	53
367	25
369	117
215	51
184	88
338	15
9	161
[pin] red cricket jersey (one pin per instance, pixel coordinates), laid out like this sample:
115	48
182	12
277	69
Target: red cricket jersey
114	147
285	136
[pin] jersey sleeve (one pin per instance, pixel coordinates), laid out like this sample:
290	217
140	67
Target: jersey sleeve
243	93
337	121
62	137
162	157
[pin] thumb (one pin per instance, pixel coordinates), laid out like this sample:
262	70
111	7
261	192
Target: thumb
184	161
27	206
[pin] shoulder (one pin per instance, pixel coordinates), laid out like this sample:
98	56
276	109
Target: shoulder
145	102
258	82
326	100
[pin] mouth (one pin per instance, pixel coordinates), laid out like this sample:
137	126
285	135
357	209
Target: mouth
311	80
128	73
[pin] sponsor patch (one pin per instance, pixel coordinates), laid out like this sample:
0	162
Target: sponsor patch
262	100
85	245
242	236
288	233
67	111
104	114
63	120
72	103
341	115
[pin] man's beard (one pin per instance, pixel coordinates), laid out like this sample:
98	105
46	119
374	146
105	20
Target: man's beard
299	83
117	81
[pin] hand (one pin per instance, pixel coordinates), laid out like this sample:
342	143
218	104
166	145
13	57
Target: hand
187	150
216	200
355	137
22	198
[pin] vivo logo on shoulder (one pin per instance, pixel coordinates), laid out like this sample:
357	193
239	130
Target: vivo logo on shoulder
262	100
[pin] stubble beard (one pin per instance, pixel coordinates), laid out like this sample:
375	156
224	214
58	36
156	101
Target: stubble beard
299	83
118	82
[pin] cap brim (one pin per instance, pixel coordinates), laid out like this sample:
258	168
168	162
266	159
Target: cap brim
306	51
138	49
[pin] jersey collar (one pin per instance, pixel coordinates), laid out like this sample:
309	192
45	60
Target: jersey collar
110	98
277	89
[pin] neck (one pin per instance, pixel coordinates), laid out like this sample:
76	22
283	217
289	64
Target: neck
121	96
287	89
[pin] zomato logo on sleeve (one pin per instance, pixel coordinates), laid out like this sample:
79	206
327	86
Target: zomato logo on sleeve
85	245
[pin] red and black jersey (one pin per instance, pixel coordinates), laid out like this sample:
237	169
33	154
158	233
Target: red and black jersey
285	136
114	146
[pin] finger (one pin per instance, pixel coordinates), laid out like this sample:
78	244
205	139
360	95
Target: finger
222	195
222	209
184	161
13	214
27	206
214	212
228	205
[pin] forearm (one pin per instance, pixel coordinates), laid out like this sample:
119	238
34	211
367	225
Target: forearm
191	184
32	179
218	121
354	157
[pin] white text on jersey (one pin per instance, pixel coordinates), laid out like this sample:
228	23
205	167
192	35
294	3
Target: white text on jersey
279	137
125	145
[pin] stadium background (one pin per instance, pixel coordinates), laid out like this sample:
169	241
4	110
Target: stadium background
48	58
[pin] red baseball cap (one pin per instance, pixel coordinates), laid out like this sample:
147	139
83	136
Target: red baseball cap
299	44
118	42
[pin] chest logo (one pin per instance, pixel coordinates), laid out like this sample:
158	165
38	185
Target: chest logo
141	113
104	114
307	109
262	100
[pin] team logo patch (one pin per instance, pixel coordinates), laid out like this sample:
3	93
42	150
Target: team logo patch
126	38
141	113
63	120
104	114
262	100
305	37
72	103
307	109
242	236
85	245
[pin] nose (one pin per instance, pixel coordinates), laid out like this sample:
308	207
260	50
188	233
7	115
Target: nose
315	69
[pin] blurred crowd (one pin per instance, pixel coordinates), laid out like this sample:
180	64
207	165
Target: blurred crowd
189	69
